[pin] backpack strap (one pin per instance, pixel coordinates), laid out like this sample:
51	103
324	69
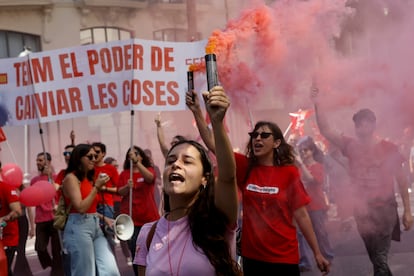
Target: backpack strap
151	234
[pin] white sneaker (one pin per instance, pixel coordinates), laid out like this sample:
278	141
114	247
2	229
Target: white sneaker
129	261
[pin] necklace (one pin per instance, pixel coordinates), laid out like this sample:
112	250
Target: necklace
169	254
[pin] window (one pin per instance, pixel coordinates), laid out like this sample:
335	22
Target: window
103	34
171	34
12	43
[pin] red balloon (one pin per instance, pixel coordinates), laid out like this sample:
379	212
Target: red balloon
12	175
40	192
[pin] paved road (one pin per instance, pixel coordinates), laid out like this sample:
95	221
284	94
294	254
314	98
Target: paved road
38	271
351	258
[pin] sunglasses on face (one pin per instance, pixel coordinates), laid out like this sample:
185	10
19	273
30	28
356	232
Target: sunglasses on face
97	151
92	156
263	135
67	153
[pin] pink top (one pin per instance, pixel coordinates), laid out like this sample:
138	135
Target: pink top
172	251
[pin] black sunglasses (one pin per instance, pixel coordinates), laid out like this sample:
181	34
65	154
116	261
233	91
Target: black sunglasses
67	153
263	135
92	156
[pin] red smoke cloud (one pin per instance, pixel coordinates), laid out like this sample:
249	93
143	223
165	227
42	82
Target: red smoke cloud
358	53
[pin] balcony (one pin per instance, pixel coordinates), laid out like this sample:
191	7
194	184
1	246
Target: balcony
179	5
29	3
134	4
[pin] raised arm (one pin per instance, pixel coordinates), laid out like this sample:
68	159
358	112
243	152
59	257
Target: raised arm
206	135
225	192
160	136
324	128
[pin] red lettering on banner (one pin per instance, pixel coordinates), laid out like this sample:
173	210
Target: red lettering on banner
147	96
106	96
69	68
161	59
23	77
191	61
48	103
42	72
158	93
174	97
116	59
34	70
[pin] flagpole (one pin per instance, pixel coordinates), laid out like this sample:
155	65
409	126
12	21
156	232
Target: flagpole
11	151
131	163
287	129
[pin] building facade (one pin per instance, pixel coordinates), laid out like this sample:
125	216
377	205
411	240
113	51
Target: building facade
42	25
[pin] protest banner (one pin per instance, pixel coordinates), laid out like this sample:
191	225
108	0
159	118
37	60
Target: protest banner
95	79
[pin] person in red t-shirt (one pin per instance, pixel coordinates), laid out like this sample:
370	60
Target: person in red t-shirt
10	210
273	198
375	166
310	163
106	199
144	208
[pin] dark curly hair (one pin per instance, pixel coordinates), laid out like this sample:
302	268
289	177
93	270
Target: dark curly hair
207	223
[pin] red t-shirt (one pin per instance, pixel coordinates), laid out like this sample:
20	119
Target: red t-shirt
271	194
59	180
372	170
85	188
144	208
105	197
315	188
11	231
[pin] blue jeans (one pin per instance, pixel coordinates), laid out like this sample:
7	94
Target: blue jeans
87	247
106	210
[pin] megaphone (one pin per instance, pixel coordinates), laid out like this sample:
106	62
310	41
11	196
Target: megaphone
124	227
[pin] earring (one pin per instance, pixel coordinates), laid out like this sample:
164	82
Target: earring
277	156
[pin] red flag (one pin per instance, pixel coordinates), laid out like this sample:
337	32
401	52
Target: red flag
298	120
2	135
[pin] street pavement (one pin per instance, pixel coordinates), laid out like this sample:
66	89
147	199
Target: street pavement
351	258
350	255
37	270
